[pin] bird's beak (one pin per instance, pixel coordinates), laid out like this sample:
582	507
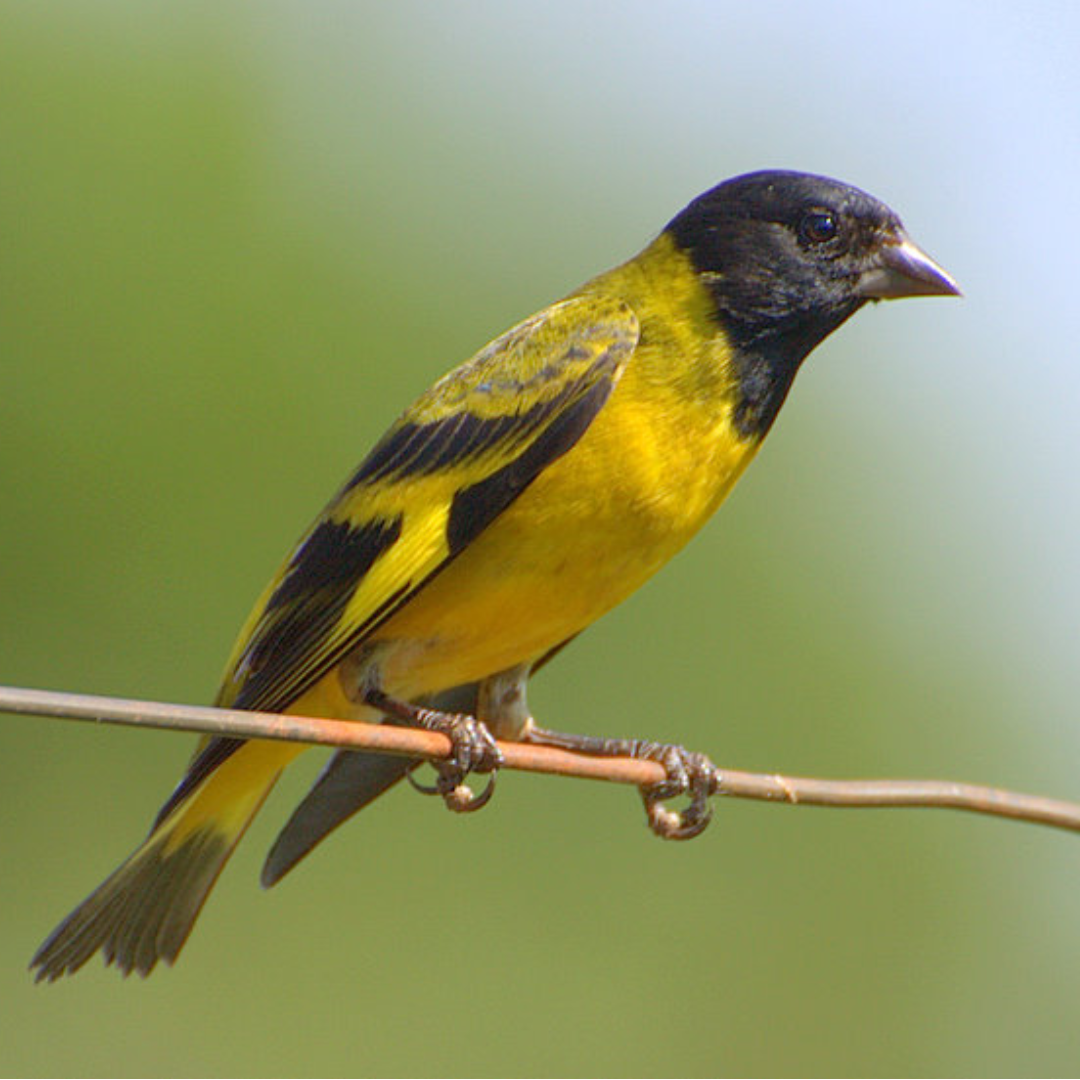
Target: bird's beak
900	268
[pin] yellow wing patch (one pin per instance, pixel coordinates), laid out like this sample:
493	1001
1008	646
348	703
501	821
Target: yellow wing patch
443	472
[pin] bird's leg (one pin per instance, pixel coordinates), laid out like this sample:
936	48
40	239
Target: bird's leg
502	703
690	774
473	748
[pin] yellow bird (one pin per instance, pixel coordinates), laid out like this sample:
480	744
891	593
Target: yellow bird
525	494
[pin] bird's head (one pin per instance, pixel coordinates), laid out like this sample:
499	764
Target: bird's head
793	255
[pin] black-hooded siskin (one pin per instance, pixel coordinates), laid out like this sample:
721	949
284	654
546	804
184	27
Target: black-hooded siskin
521	497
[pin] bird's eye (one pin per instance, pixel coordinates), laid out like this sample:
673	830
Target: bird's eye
818	226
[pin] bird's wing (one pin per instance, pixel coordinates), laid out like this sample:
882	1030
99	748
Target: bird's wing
445	471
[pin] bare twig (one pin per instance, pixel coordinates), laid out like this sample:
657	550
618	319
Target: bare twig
413	742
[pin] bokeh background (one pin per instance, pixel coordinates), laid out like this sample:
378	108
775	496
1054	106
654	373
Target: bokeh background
238	238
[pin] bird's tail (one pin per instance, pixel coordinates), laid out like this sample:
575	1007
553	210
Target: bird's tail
145	910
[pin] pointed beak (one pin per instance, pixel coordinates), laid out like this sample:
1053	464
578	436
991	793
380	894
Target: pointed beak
902	269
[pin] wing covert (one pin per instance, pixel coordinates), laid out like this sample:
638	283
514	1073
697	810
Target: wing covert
442	473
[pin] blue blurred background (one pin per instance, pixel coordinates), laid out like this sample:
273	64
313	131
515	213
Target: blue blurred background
239	238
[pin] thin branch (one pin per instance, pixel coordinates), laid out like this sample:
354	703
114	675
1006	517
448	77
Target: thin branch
412	742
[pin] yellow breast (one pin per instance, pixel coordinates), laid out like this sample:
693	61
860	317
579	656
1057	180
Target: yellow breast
654	465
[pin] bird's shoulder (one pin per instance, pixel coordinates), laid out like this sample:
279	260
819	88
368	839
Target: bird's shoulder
448	467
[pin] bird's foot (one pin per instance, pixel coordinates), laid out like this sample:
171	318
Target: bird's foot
687	773
690	774
472	749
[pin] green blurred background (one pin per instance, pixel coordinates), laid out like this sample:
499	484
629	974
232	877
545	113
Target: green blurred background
238	238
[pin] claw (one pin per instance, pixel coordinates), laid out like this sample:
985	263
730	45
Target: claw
459	797
463	800
472	749
687	774
424	789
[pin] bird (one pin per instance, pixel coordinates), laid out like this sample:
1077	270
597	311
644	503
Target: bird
517	500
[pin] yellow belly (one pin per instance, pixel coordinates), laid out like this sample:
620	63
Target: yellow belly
656	462
589	531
